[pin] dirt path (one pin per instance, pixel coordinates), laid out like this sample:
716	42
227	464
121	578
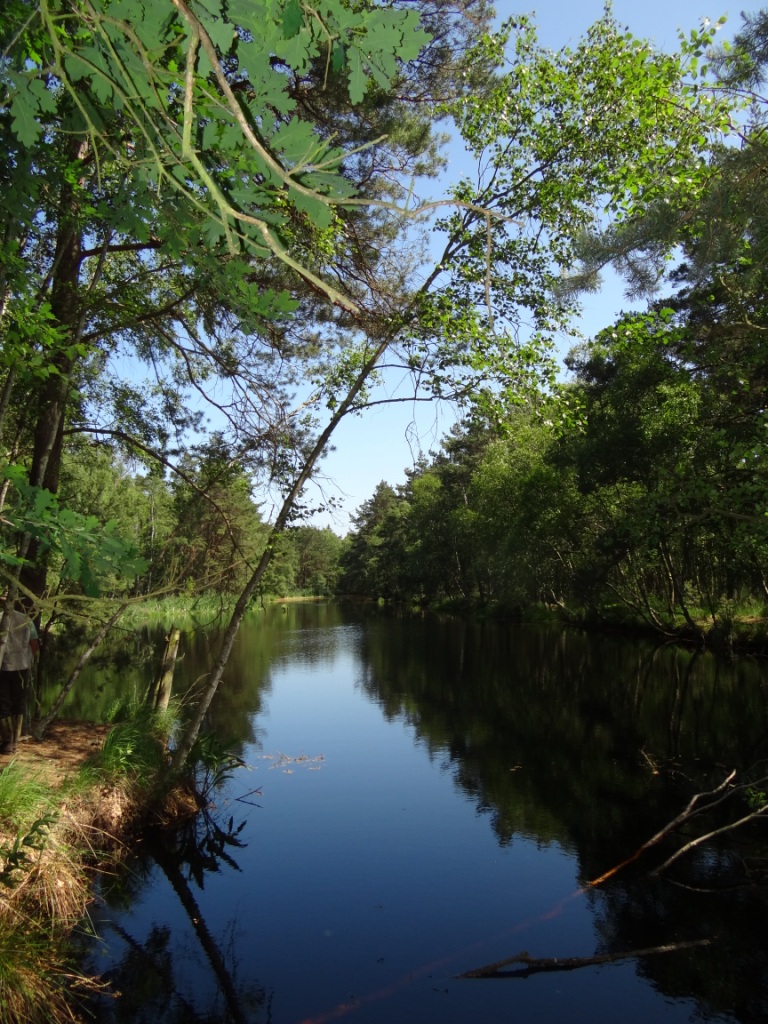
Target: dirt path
63	750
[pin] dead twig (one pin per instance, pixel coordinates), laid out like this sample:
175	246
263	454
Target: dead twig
714	796
710	835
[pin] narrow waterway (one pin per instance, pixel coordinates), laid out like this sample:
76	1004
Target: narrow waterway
422	797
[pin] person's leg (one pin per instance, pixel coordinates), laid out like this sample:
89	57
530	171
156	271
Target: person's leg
5	711
12	707
17	725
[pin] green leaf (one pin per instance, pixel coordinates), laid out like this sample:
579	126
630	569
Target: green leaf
339	57
293	19
24	111
358	81
45	99
214	232
222	34
320	213
296	140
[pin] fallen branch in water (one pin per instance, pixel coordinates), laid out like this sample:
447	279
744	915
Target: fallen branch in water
694	807
698	804
535	965
760	813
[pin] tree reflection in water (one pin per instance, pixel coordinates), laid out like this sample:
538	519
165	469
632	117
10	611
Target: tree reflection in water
570	749
142	984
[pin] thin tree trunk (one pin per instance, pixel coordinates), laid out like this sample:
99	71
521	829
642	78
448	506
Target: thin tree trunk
678	594
5	397
159	695
388	330
83	660
188	739
13	454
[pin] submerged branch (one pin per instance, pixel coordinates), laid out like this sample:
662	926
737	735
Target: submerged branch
536	965
710	835
698	804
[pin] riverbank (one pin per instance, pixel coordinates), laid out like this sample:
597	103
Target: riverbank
732	631
62	821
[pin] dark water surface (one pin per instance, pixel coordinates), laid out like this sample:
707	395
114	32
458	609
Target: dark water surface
423	797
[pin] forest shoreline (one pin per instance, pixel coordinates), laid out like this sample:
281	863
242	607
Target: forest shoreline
727	633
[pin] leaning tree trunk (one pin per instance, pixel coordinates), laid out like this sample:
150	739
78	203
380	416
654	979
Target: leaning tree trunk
193	729
384	335
82	661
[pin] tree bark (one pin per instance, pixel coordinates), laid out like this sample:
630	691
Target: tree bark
159	695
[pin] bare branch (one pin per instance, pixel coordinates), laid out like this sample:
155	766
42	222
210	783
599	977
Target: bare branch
752	816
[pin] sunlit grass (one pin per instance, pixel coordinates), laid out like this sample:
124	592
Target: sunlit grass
200	610
34	976
48	837
43	895
181	611
23	796
136	746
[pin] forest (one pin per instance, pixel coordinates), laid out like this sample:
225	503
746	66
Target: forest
225	228
229	228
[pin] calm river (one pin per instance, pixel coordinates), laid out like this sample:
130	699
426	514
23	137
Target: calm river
422	797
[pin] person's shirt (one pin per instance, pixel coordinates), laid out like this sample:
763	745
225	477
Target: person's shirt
21	632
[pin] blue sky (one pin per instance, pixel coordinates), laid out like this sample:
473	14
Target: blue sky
383	442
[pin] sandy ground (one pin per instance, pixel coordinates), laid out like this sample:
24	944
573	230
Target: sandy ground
65	746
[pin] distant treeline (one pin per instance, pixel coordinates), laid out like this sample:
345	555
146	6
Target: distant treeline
200	532
639	492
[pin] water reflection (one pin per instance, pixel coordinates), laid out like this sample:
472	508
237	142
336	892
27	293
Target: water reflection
593	743
556	733
143	978
569	750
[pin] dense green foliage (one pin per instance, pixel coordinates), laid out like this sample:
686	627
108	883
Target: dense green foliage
155	156
639	490
199	533
211	253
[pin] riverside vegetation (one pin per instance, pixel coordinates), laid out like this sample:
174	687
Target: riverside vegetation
58	830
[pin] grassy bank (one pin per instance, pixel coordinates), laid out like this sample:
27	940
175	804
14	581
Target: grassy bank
59	825
206	609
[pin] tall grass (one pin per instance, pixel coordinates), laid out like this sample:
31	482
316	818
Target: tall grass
135	749
23	797
46	841
43	894
180	611
34	978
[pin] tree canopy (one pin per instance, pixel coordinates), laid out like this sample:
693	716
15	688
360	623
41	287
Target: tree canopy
639	493
212	205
